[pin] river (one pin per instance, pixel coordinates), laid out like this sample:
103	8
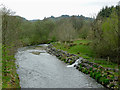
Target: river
38	69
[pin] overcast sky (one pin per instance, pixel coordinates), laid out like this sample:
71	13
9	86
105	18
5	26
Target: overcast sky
38	9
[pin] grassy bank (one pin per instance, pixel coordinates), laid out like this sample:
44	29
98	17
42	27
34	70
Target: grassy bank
10	77
0	66
82	48
103	71
10	80
108	77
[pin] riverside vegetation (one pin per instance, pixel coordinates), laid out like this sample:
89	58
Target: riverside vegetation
104	72
95	39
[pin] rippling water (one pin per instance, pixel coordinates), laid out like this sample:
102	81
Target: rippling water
38	69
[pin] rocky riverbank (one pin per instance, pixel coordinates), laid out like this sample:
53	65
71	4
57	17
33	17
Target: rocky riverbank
104	76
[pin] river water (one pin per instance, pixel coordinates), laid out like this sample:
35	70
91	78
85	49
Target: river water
38	69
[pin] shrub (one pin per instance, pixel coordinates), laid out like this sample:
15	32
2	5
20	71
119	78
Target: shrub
90	68
80	68
111	76
85	71
97	76
95	66
91	74
101	79
105	74
106	81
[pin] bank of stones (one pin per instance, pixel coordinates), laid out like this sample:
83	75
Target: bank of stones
104	76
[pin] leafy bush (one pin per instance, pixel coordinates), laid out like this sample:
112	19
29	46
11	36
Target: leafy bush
96	66
97	76
106	81
101	79
90	68
111	76
105	75
80	68
85	71
92	74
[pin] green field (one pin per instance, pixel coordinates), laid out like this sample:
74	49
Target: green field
83	49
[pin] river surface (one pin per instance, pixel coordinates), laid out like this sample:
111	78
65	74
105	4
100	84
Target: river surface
38	69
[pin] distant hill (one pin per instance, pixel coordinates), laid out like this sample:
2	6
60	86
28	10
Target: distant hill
67	16
64	16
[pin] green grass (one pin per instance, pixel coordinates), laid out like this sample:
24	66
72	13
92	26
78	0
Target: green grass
104	63
9	74
0	66
82	49
82	41
11	79
85	51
